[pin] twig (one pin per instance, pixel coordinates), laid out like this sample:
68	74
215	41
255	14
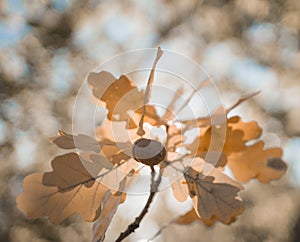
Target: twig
136	223
141	131
194	91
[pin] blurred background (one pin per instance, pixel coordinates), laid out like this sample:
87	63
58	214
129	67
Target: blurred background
47	47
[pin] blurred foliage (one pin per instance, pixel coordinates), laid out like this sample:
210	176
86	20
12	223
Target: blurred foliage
48	46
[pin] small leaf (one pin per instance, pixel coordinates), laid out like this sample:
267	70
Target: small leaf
81	142
191	216
257	162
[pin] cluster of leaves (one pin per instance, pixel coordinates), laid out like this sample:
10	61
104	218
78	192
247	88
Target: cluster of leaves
75	183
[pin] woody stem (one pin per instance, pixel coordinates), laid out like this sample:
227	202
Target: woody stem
136	223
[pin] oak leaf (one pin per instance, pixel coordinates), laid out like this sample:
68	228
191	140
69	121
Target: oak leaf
213	199
191	216
228	138
68	189
73	186
237	134
114	152
122	98
257	162
81	142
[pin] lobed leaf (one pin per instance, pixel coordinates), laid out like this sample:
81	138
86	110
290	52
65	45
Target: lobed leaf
257	162
81	142
68	189
213	199
122	98
228	138
191	216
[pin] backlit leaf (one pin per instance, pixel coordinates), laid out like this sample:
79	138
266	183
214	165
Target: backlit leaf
191	216
226	139
213	199
122	98
68	189
81	142
257	162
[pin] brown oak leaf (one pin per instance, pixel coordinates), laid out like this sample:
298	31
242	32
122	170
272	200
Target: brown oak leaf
191	216
73	185
68	189
121	96
115	152
227	139
213	199
81	142
257	162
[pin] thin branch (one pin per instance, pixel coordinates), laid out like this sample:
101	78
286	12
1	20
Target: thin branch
241	100
169	114
136	223
141	131
195	90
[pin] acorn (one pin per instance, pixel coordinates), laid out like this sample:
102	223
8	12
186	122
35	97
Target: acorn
148	151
